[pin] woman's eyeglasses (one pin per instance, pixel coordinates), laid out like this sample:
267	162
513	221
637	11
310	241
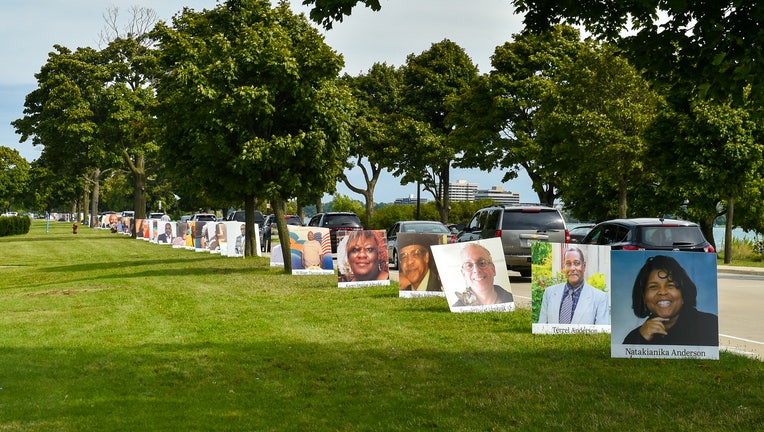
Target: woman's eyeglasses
481	264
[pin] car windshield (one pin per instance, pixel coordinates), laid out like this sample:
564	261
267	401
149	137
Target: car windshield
662	236
425	228
542	220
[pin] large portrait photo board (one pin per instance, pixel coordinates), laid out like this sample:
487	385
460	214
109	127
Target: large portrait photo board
665	305
474	276
570	288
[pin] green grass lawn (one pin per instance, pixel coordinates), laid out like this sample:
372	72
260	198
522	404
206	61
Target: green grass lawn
101	332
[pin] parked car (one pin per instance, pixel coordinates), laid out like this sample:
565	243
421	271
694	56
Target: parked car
518	226
204	217
156	215
578	232
239	216
336	221
269	222
413	226
649	234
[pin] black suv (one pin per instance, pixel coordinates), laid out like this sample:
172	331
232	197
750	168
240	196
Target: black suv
518	226
239	216
649	234
336	221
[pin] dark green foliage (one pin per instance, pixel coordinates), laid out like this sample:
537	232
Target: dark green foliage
14	225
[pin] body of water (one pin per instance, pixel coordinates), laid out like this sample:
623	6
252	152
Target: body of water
737	233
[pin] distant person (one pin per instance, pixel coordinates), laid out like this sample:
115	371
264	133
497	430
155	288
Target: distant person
166	237
479	272
416	263
575	301
664	294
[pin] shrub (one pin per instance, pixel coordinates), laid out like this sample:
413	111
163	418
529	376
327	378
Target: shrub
14	225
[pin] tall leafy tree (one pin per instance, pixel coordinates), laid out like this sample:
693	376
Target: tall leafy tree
710	155
426	150
92	109
250	105
373	140
65	113
594	127
495	119
702	52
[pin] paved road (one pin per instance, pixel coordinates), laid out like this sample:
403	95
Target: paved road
741	307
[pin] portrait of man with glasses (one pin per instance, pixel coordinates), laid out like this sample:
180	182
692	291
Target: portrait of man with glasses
479	273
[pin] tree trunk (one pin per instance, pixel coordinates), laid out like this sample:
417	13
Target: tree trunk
445	178
85	207
249	228
707	228
94	222
369	197
286	252
319	205
623	208
728	230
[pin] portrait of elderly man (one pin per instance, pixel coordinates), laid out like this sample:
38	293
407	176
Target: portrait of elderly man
479	272
417	267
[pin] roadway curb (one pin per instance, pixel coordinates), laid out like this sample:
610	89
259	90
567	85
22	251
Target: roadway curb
740	270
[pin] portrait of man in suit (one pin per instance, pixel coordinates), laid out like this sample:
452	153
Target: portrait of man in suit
574	301
166	236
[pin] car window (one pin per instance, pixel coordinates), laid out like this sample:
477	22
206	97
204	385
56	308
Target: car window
426	228
393	233
541	220
474	224
315	220
492	219
668	237
613	234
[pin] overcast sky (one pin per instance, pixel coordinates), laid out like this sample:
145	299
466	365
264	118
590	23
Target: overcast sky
30	28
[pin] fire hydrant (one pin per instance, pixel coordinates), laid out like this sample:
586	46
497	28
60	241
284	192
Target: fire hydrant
74	228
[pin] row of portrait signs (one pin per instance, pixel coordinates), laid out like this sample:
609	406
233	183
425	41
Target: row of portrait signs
655	304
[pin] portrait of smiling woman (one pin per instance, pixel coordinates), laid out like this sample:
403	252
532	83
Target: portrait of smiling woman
365	257
666	296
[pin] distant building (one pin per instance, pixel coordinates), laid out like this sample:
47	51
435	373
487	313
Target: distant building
410	200
462	191
498	194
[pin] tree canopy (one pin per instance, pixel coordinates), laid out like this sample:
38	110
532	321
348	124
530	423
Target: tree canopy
378	95
712	49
